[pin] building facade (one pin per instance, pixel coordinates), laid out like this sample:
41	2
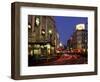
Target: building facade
79	39
42	36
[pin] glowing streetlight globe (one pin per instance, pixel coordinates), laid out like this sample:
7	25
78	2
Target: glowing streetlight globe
50	31
60	44
43	32
29	26
37	21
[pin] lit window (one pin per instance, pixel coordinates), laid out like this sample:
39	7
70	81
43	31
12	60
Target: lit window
31	52
38	46
36	51
42	46
48	46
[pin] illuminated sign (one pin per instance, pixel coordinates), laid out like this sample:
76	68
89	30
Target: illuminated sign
80	26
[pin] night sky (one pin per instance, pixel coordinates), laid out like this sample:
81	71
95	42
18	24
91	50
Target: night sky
66	26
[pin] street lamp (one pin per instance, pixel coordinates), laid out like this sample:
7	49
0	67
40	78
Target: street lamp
29	26
43	33
60	44
50	32
37	21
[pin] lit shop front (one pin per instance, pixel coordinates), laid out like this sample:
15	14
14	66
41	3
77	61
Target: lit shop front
41	50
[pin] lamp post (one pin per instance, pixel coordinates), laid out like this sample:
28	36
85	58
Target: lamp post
50	33
61	47
43	47
43	33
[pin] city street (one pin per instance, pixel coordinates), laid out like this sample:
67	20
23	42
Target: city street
69	59
65	59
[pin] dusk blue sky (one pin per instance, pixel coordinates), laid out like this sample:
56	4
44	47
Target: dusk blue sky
66	26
